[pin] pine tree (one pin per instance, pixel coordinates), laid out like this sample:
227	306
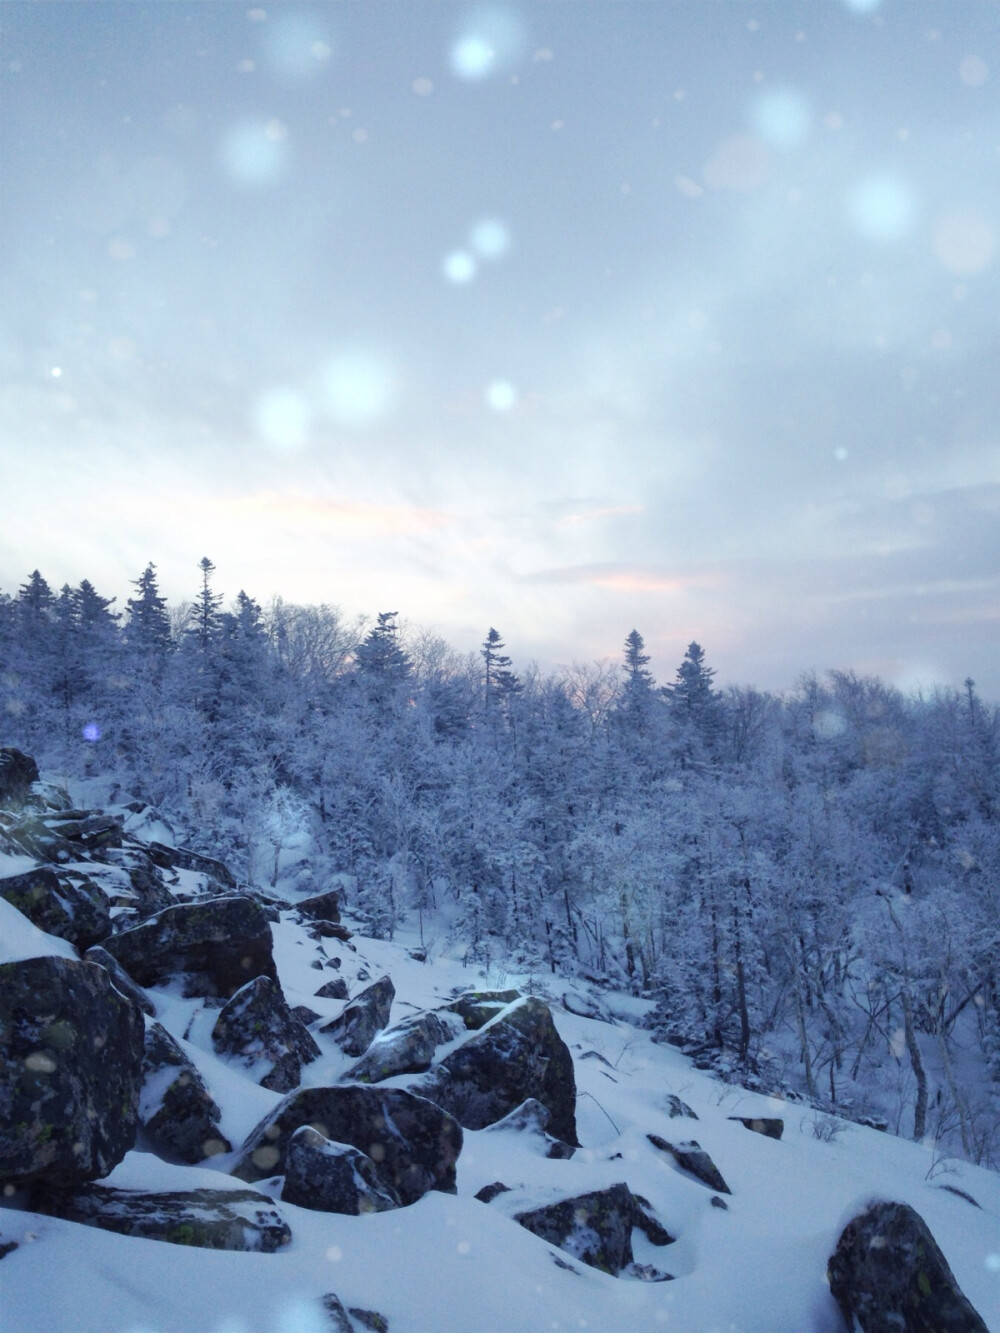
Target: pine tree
381	659
500	683
207	618
691	697
148	623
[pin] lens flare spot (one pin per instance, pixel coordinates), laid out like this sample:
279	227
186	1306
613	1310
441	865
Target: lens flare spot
490	41
501	396
357	388
472	57
882	208
282	417
296	47
782	117
863	6
490	239
91	732
255	153
459	267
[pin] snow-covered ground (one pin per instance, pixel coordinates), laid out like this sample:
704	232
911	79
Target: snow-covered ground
452	1264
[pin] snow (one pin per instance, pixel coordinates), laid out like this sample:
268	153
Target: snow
19	939
455	1265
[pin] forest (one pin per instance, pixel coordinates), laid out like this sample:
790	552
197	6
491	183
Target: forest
807	885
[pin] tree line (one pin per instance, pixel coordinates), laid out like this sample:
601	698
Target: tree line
807	885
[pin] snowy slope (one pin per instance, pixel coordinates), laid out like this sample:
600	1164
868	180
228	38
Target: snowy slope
455	1265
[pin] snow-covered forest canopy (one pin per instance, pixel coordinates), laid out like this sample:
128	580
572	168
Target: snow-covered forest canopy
808	885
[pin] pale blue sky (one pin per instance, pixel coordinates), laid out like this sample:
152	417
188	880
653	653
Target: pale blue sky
564	316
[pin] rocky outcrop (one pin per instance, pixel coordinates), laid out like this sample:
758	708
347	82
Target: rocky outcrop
215	946
366	1015
407	1048
17	772
210	1219
70	1074
516	1056
72	908
690	1156
413	1143
888	1275
257	1025
176	1109
333	1177
182	858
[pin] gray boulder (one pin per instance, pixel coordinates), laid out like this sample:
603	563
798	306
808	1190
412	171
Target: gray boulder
595	1228
70	1072
183	858
210	1219
17	772
215	946
516	1056
677	1108
407	1048
257	1025
888	1275
72	909
690	1156
333	1177
772	1127
333	990
365	1016
176	1109
413	1143
320	907
531	1118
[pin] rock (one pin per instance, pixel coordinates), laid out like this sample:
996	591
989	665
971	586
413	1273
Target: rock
339	1319
648	1223
34	837
489	1192
17	772
532	1118
770	1126
7	1247
693	1158
215	946
518	1055
413	1143
676	1108
333	990
257	1026
91	829
407	1048
120	979
888	1275
211	1219
77	912
329	930
476	1008
304	1014
370	1319
645	1273
70	1073
595	1228
355	1029
332	1177
176	1109
320	907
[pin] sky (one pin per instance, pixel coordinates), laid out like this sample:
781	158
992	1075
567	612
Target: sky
566	317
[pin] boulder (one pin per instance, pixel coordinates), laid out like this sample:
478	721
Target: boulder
332	1177
407	1048
215	946
70	1072
182	858
211	1219
355	1029
34	837
678	1109
585	1006
320	907
476	1008
772	1127
120	979
75	911
648	1223
888	1275
516	1056
413	1143
329	930
257	1025
17	772
692	1157
333	990
176	1109
595	1228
